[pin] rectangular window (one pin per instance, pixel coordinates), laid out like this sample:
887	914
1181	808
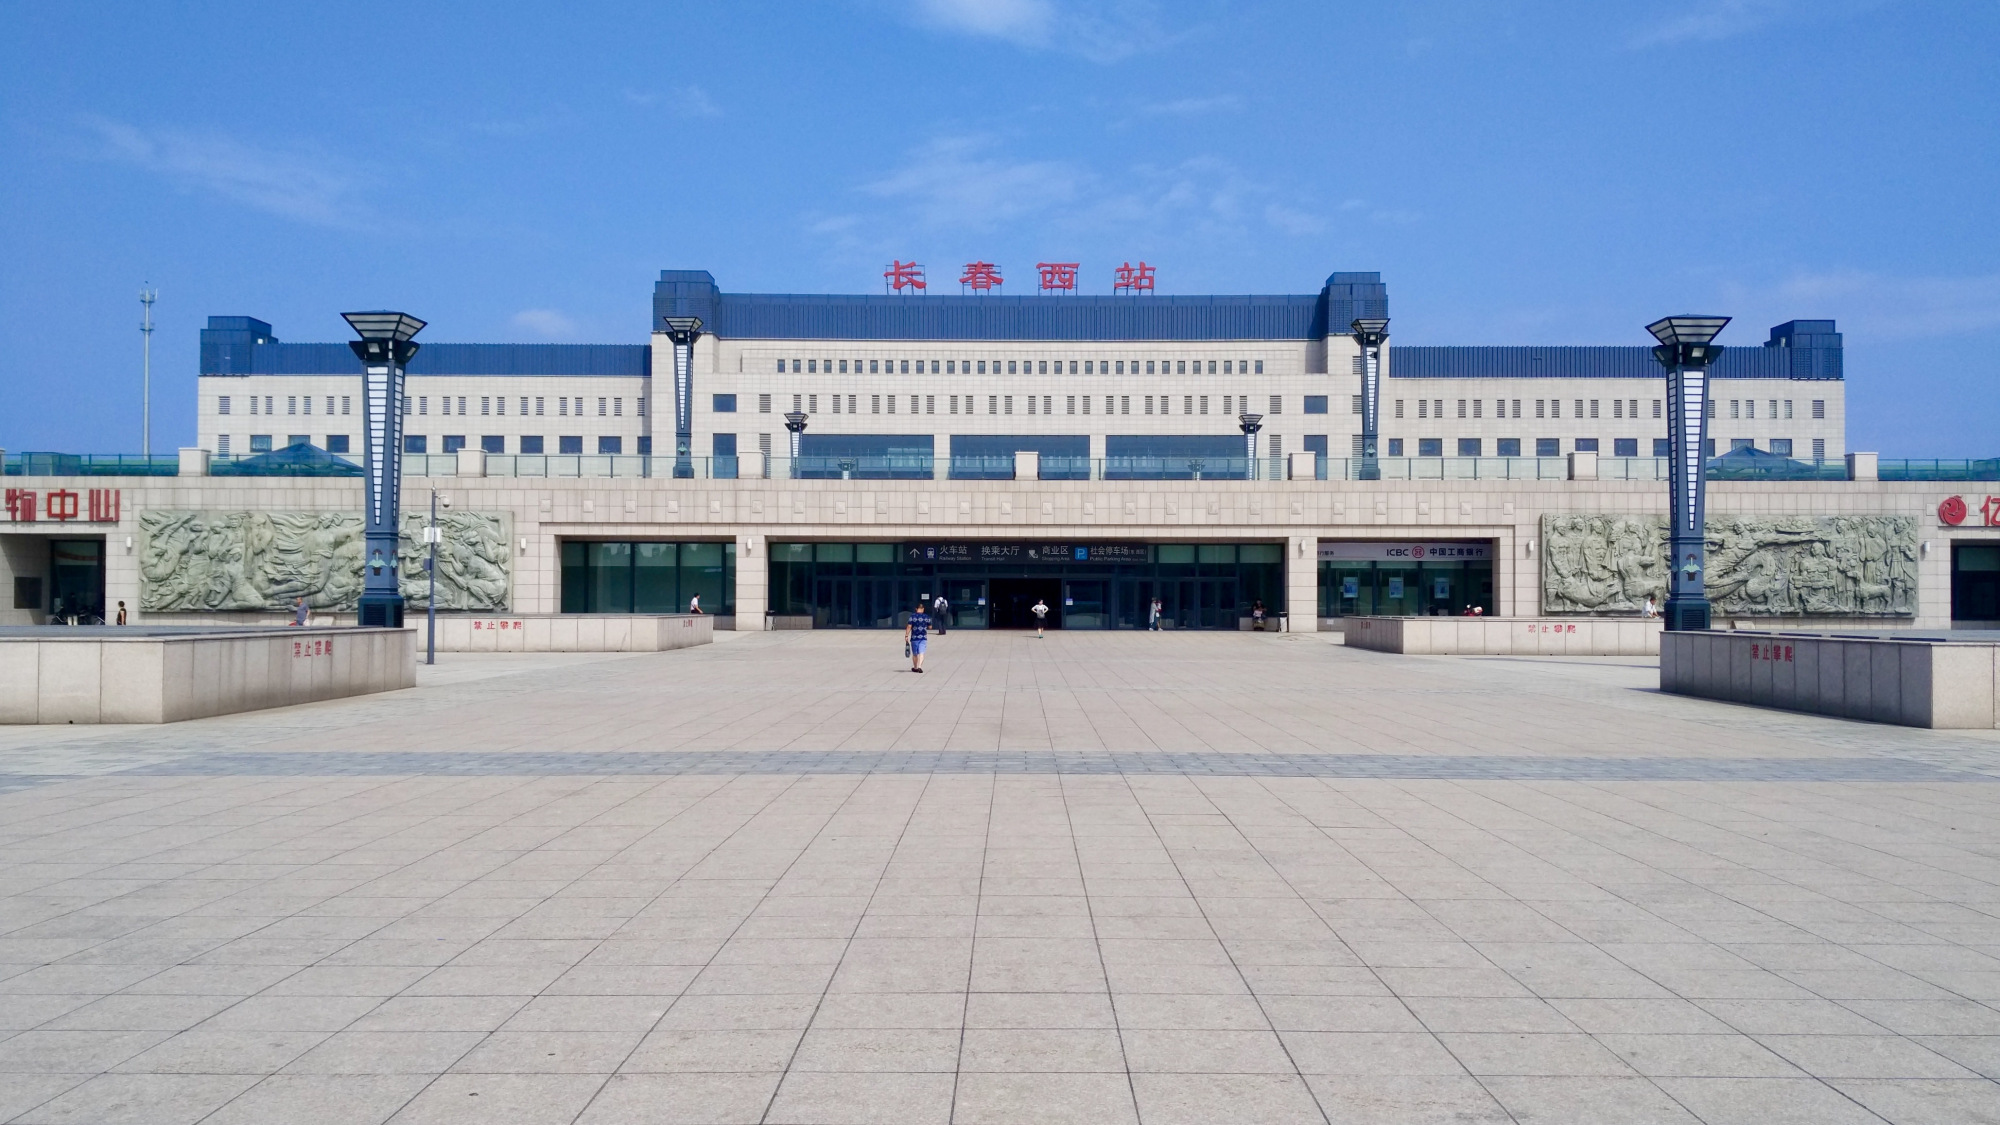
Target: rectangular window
493	443
1204	404
1316	404
292	404
1593	408
222	445
308	405
600	407
930	404
1788	410
423	404
1586	445
1663	447
812	403
1476	404
1008	406
454	442
1548	447
1538	408
1086	404
992	404
531	444
1277	404
610	444
569	444
222	405
1423	408
953	404
412	443
1399	406
1260	367
618	407
345	403
1735	409
1395	445
1819	450
1430	447
726	404
1782	446
1507	447
1632	408
1618	408
874	404
763	404
892	404
1229	367
1819	408
1072	404
1656	408
1625	447
1470	447
1712	404
1149	404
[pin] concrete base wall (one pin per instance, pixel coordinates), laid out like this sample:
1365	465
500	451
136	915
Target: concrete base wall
1909	682
96	677
570	632
1505	636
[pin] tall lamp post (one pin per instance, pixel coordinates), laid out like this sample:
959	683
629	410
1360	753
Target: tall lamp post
1371	333
795	425
384	348
1250	424
433	535
683	330
1687	350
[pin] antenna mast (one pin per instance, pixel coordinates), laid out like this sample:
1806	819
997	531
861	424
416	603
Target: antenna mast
146	298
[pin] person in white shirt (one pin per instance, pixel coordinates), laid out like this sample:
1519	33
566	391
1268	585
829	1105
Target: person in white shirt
1041	612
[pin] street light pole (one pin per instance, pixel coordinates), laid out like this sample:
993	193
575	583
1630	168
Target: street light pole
385	348
146	298
1250	424
1687	351
795	425
1371	333
683	330
431	537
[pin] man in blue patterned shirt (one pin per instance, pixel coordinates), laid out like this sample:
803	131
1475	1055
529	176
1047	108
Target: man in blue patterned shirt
916	635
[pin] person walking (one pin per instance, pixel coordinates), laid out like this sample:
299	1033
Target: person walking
694	605
1153	616
916	634
1257	615
1041	612
940	610
299	610
121	613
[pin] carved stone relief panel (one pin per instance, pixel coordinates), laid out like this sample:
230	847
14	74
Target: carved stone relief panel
1788	566
218	561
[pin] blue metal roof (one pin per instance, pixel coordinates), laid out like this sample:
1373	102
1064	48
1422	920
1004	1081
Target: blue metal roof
800	316
241	345
1798	349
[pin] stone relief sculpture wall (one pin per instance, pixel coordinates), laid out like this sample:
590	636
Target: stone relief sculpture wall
1796	566
218	561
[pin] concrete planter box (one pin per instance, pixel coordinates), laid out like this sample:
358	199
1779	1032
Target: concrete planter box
1908	681
1506	636
165	675
569	632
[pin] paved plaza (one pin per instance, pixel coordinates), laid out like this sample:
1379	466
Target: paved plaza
1172	878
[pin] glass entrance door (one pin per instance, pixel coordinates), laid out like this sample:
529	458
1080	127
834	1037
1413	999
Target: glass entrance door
1084	605
76	580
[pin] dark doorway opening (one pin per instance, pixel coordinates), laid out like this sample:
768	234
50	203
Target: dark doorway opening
1013	600
76	580
1975	583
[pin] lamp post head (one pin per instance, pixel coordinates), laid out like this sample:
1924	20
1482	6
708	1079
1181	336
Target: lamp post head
1687	340
385	336
1251	423
683	329
795	422
1370	330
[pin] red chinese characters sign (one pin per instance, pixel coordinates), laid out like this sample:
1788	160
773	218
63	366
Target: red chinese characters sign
1780	653
981	276
904	275
1058	277
1953	511
96	505
1133	279
302	649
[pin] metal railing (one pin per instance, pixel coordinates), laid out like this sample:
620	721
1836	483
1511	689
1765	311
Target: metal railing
1938	469
90	465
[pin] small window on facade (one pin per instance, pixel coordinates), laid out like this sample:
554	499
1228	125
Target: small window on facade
1277	404
1430	447
992	404
1586	445
1656	408
485	405
1819	408
1663	447
1086	404
1124	404
1593	408
1476	404
1470	447
1819	450
1618	408
531	443
570	443
1423	408
222	405
781	367
1548	447
1204	404
1625	447
600	407
454	442
812	403
1788	410
723	404
412	443
1399	406
610	444
1507	447
618	407
1395	446
1782	446
763	404
1316	404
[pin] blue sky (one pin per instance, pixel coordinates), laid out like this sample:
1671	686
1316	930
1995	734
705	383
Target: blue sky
1520	173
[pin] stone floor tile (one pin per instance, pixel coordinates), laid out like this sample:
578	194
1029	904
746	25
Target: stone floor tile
86	1052
737	1098
1573	1101
1370	1053
713	1051
1549	1055
140	1099
1044	1099
1863	1056
549	1052
1039	1009
1406	1100
891	1009
1203	1011
386	1052
350	1099
20	1093
589	1013
1766	1101
862	1099
1001	1050
1205	1052
897	1050
1928	1102
518	1099
1488	1014
1674	1055
1242	1099
223	1052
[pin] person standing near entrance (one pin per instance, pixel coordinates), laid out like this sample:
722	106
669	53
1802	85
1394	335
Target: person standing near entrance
121	613
916	635
941	609
1041	612
1153	616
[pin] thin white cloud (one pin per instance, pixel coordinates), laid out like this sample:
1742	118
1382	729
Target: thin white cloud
1192	107
300	185
958	183
546	323
1882	307
1099	30
693	101
1710	21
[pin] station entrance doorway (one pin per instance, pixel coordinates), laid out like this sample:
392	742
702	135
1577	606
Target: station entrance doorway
1013	600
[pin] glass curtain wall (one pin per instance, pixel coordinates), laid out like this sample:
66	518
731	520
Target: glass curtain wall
1357	588
643	576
